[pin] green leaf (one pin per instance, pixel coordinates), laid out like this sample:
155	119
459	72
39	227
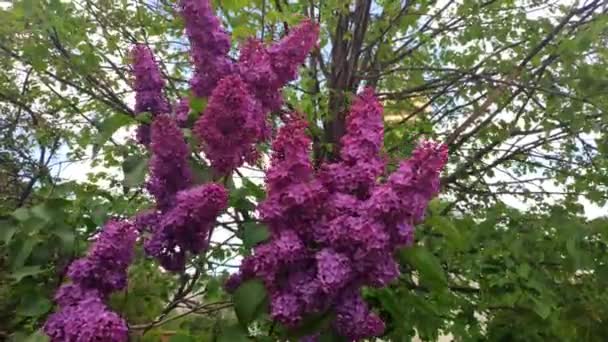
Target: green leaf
144	117
541	308
447	228
43	212
7	230
331	336
241	32
233	334
37	336
198	104
250	300
237	199
22	214
523	270
134	168
390	302
312	324
212	288
26	271
23	252
201	173
28	6
181	338
431	272
233	5
34	305
51	210
110	125
254	233
99	215
254	189
66	234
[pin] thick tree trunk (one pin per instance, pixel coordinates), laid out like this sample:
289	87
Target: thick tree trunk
347	42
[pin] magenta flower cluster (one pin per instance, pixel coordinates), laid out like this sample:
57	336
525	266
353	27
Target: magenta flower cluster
336	229
148	86
231	125
209	46
183	218
242	93
169	168
240	96
233	122
187	226
83	316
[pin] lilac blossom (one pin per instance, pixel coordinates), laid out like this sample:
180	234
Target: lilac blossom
87	321
169	169
286	308
104	268
231	125
360	161
187	226
82	315
209	46
333	270
267	69
294	196
255	68
401	202
291	51
336	230
148	86
240	95
354	320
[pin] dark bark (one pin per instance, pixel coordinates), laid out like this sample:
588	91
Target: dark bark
345	54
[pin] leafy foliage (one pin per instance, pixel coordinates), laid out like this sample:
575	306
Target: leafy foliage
515	86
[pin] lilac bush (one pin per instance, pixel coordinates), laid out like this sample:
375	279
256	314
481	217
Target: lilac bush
334	229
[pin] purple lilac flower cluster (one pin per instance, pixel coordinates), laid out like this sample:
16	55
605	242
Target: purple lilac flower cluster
187	226
361	164
209	46
266	69
183	218
335	230
169	169
83	316
231	125
241	93
148	86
